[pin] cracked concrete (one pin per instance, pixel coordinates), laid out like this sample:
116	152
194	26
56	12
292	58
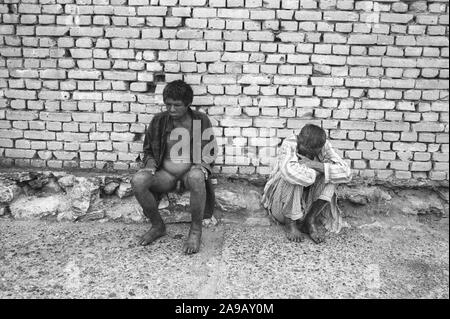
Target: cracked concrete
380	256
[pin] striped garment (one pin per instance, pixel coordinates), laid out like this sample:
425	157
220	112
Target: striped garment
292	187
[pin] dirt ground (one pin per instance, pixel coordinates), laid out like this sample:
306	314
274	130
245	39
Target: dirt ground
379	256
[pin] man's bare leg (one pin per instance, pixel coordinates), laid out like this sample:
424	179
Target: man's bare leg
292	232
144	185
310	221
195	182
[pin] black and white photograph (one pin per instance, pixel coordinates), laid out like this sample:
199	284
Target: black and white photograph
224	154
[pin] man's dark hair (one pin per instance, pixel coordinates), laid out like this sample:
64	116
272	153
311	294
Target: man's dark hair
313	136
178	90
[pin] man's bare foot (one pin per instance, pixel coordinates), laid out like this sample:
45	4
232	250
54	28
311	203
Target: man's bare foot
317	237
192	244
153	234
313	233
292	232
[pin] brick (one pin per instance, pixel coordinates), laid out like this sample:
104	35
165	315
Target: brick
84	74
72	137
438	176
261	36
122	33
233	13
357	125
119	117
396	18
52	74
308	16
119	97
406	106
439	41
421	166
255	79
409	147
20	94
19	153
392	126
55	31
120	75
204	12
289	80
398	83
86	32
269	122
364	39
242	122
10	52
21	115
151	44
340	16
360	60
362	82
64	155
267	101
86	117
219	79
86	95
57	117
428	127
39	135
328	59
432	84
125	137
326	81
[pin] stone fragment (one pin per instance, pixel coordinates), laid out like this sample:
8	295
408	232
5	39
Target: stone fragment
52	187
84	193
125	189
110	188
9	191
164	203
90	216
363	195
209	222
66	181
38	207
38	182
236	201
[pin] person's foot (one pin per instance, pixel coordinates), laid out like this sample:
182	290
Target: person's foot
153	234
192	243
313	233
292	232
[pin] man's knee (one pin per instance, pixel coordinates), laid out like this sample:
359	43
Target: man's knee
141	180
195	179
328	192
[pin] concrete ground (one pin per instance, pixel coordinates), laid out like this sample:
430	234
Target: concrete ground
378	257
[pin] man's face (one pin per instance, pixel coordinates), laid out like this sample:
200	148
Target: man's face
176	108
305	150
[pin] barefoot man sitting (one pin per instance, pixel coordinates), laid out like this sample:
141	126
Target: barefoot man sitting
179	145
301	187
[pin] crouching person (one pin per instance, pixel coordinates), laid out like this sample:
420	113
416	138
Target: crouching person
179	147
301	187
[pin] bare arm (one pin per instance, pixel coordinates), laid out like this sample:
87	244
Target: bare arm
315	165
149	160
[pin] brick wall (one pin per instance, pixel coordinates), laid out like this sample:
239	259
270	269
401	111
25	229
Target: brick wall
81	79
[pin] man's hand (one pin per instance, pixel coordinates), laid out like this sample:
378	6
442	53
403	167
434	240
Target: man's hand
150	170
197	166
315	165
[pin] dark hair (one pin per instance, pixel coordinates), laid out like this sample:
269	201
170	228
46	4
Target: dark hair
313	136
178	90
